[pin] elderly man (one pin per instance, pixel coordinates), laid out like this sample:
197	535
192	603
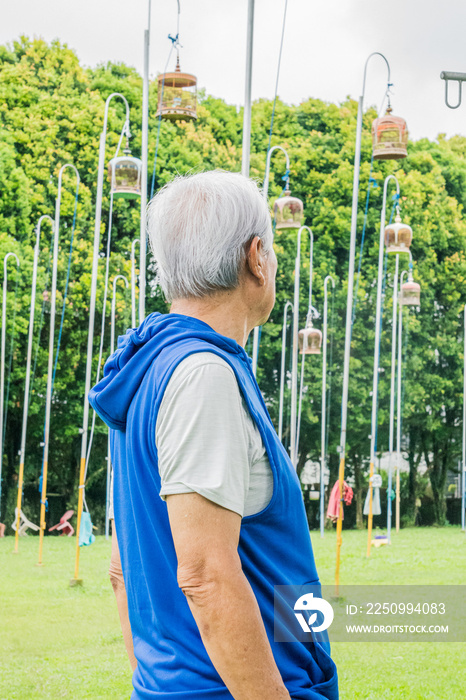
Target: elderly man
208	508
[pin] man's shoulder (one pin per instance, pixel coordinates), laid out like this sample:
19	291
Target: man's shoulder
199	378
201	364
203	388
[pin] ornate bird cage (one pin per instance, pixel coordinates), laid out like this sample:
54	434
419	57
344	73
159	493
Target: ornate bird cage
177	95
389	137
310	340
410	293
288	211
398	236
125	176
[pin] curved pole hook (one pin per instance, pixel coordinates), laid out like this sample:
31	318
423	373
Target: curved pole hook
389	84
125	130
267	168
115	280
385	188
374	53
444	75
60	177
58	205
326	280
5	260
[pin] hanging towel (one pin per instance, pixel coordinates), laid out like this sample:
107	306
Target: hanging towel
85	532
347	494
334	500
376	509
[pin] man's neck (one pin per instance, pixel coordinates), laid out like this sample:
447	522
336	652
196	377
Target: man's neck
224	312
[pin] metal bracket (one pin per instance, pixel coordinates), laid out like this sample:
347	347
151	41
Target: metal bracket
460	78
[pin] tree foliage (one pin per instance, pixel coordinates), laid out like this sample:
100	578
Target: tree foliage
52	113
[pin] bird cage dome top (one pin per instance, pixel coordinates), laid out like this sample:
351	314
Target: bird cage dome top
398	236
125	176
177	95
389	137
288	211
310	340
410	293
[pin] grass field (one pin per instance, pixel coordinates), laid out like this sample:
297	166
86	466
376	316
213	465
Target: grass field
62	642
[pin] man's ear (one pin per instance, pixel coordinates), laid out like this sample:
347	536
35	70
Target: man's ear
255	260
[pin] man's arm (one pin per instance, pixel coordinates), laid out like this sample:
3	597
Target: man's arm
220	598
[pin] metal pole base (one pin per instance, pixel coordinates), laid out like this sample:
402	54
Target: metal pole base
75	582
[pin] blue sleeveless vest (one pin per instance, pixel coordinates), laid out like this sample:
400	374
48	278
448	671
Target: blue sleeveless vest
274	547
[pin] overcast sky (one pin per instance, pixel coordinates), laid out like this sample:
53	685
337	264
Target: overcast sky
326	45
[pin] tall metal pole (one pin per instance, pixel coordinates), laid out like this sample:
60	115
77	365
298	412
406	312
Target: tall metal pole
133	282
392	399
460	78
2	368
463	496
113	312
323	456
464	416
22	451
112	348
288	305
294	360
375	378
144	158
247	92
48	395
265	191
90	337
349	311
312	313
399	417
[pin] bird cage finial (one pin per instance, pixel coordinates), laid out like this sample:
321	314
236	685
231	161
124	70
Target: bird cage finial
389	104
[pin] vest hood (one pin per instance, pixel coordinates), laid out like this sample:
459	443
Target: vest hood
137	349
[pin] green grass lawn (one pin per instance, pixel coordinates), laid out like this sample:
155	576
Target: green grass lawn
62	642
411	671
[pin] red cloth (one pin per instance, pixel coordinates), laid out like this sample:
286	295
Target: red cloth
334	500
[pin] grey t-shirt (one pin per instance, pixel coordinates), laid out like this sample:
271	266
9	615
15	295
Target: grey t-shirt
207	441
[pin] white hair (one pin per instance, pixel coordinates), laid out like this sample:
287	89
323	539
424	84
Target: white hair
198	228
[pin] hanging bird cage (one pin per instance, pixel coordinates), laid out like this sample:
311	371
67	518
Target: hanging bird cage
398	236
389	137
125	176
288	211
310	340
177	95
410	293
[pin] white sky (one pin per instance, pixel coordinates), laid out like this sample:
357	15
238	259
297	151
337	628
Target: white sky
326	45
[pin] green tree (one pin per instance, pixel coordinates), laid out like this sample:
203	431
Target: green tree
52	113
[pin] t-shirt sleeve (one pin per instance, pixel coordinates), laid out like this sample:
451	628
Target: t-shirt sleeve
201	436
